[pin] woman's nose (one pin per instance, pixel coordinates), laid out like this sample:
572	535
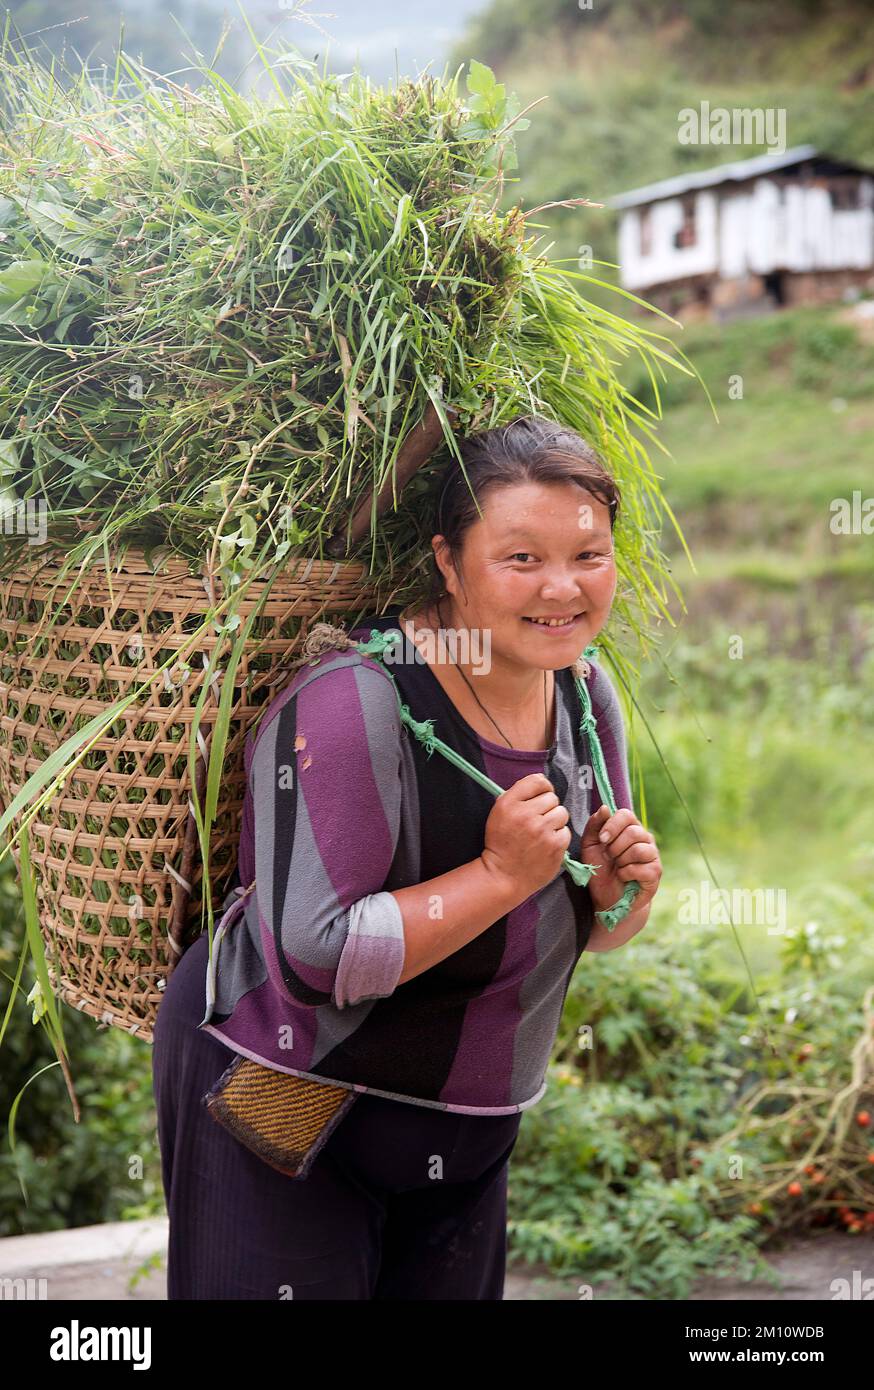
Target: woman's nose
559	588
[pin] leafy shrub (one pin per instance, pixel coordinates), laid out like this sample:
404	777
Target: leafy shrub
651	1160
107	1167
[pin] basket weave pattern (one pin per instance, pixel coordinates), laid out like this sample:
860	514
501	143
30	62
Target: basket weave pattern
113	850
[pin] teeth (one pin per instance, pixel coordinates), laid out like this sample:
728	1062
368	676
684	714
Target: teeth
552	622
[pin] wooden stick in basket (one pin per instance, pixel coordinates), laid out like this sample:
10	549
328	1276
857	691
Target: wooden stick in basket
417	448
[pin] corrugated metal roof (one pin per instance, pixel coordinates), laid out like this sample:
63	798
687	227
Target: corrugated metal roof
735	172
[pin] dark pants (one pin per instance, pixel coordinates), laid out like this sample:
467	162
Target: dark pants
403	1201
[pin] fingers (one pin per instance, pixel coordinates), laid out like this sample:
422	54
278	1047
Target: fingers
641	862
544	801
641	852
535	784
631	849
622	830
647	875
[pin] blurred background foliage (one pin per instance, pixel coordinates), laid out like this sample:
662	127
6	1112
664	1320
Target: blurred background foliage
106	1168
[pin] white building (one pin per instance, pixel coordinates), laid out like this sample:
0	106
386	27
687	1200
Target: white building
777	229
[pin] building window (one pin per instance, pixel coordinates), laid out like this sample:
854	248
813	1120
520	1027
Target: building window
844	195
645	224
688	233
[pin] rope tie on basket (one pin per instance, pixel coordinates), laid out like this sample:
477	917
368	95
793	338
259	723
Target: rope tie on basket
325	637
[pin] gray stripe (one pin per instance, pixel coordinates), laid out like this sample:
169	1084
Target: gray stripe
542	992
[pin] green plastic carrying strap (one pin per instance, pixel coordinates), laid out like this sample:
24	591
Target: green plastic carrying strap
380	642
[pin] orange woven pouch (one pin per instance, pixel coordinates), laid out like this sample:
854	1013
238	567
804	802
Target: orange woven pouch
284	1119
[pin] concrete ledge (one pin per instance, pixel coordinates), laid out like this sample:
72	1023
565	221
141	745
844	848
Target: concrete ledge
88	1264
116	1240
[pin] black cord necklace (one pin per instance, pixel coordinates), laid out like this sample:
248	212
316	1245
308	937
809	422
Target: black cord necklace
479	701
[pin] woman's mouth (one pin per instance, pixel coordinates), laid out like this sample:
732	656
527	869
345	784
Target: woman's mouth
562	623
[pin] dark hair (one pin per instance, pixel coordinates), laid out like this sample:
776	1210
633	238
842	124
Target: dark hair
530	449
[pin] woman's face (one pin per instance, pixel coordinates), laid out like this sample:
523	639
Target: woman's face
541	550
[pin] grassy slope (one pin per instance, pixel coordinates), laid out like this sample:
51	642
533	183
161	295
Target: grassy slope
752	494
770	775
761	476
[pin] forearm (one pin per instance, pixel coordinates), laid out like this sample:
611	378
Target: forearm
442	914
600	939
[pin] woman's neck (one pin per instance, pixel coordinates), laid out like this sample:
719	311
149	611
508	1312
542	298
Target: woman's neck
506	688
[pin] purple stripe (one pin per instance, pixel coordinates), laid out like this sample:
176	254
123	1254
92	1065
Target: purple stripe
257	1055
348	852
264	1019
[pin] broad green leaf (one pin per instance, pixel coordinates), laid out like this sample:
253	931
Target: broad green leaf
20	277
9	463
480	78
64	228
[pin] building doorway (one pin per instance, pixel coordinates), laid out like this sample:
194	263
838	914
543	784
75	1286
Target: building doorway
775	286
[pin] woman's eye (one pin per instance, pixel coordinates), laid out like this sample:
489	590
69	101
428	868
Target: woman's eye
583	555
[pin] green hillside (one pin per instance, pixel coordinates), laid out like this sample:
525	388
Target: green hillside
793	396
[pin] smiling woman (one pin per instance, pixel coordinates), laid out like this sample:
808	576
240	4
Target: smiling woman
523	559
405	934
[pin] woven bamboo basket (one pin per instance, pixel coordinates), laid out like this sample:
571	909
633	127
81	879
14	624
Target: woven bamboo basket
115	851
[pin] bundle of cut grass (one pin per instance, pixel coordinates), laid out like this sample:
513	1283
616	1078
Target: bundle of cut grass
222	323
205	299
194	288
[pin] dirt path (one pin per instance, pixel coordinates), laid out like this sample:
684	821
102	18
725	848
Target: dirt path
816	1267
97	1263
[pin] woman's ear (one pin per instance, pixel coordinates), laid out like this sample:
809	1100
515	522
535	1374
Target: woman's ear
443	563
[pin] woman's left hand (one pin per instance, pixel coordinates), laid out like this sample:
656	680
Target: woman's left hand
628	853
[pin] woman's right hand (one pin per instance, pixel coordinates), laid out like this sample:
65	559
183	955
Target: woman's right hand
527	835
